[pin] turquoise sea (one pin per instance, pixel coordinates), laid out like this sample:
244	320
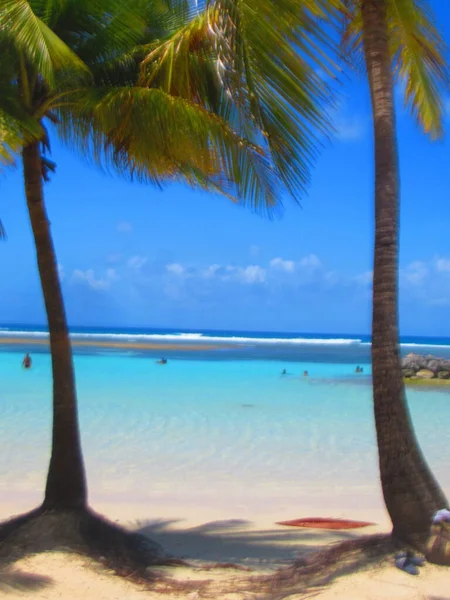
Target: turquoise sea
216	425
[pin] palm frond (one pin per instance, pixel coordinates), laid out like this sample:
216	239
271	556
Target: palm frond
170	64
418	53
49	10
149	135
418	56
352	35
2	232
255	63
44	50
16	128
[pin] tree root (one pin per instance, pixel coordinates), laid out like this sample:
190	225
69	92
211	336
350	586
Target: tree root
322	567
82	532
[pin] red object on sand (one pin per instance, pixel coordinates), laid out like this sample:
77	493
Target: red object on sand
326	523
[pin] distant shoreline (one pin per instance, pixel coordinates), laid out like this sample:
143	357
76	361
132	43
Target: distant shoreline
432	383
126	345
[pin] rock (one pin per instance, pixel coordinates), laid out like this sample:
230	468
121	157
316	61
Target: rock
444	365
408	373
422	366
425	374
434	365
414	362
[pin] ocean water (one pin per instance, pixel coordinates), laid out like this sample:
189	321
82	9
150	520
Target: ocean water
215	425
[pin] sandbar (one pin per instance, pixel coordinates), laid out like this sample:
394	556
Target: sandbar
125	345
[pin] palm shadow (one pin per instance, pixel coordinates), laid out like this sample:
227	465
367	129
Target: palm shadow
282	562
12	580
293	559
234	542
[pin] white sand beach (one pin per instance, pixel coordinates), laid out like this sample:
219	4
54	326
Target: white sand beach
224	557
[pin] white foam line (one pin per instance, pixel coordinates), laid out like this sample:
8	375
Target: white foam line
198	337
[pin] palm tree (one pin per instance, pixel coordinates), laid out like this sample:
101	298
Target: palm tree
257	63
71	68
399	39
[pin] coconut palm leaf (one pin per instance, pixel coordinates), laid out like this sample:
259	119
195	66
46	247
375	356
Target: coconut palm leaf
36	41
149	135
16	128
256	64
10	143
418	52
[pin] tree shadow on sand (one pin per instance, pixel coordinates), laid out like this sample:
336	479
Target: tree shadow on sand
298	555
235	541
16	580
311	566
82	532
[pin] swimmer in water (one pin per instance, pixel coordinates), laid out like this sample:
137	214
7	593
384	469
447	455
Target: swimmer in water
284	372
163	361
305	373
26	363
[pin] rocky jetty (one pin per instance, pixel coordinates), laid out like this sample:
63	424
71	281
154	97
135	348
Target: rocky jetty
417	366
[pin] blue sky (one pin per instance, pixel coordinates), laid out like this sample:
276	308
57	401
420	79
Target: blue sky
131	255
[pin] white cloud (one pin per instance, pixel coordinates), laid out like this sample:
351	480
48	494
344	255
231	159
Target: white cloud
365	278
349	129
124	227
137	262
248	274
310	261
331	277
210	271
252	274
416	273
61	272
96	283
111	275
176	269
428	281
442	265
283	265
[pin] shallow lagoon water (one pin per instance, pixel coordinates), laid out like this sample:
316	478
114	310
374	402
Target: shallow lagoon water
215	427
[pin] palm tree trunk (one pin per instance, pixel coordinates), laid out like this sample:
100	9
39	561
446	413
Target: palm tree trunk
410	491
66	482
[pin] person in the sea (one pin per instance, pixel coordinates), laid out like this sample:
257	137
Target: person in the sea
359	369
284	372
305	373
163	361
26	363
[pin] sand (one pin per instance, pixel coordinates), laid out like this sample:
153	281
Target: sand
60	575
256	548
7	341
